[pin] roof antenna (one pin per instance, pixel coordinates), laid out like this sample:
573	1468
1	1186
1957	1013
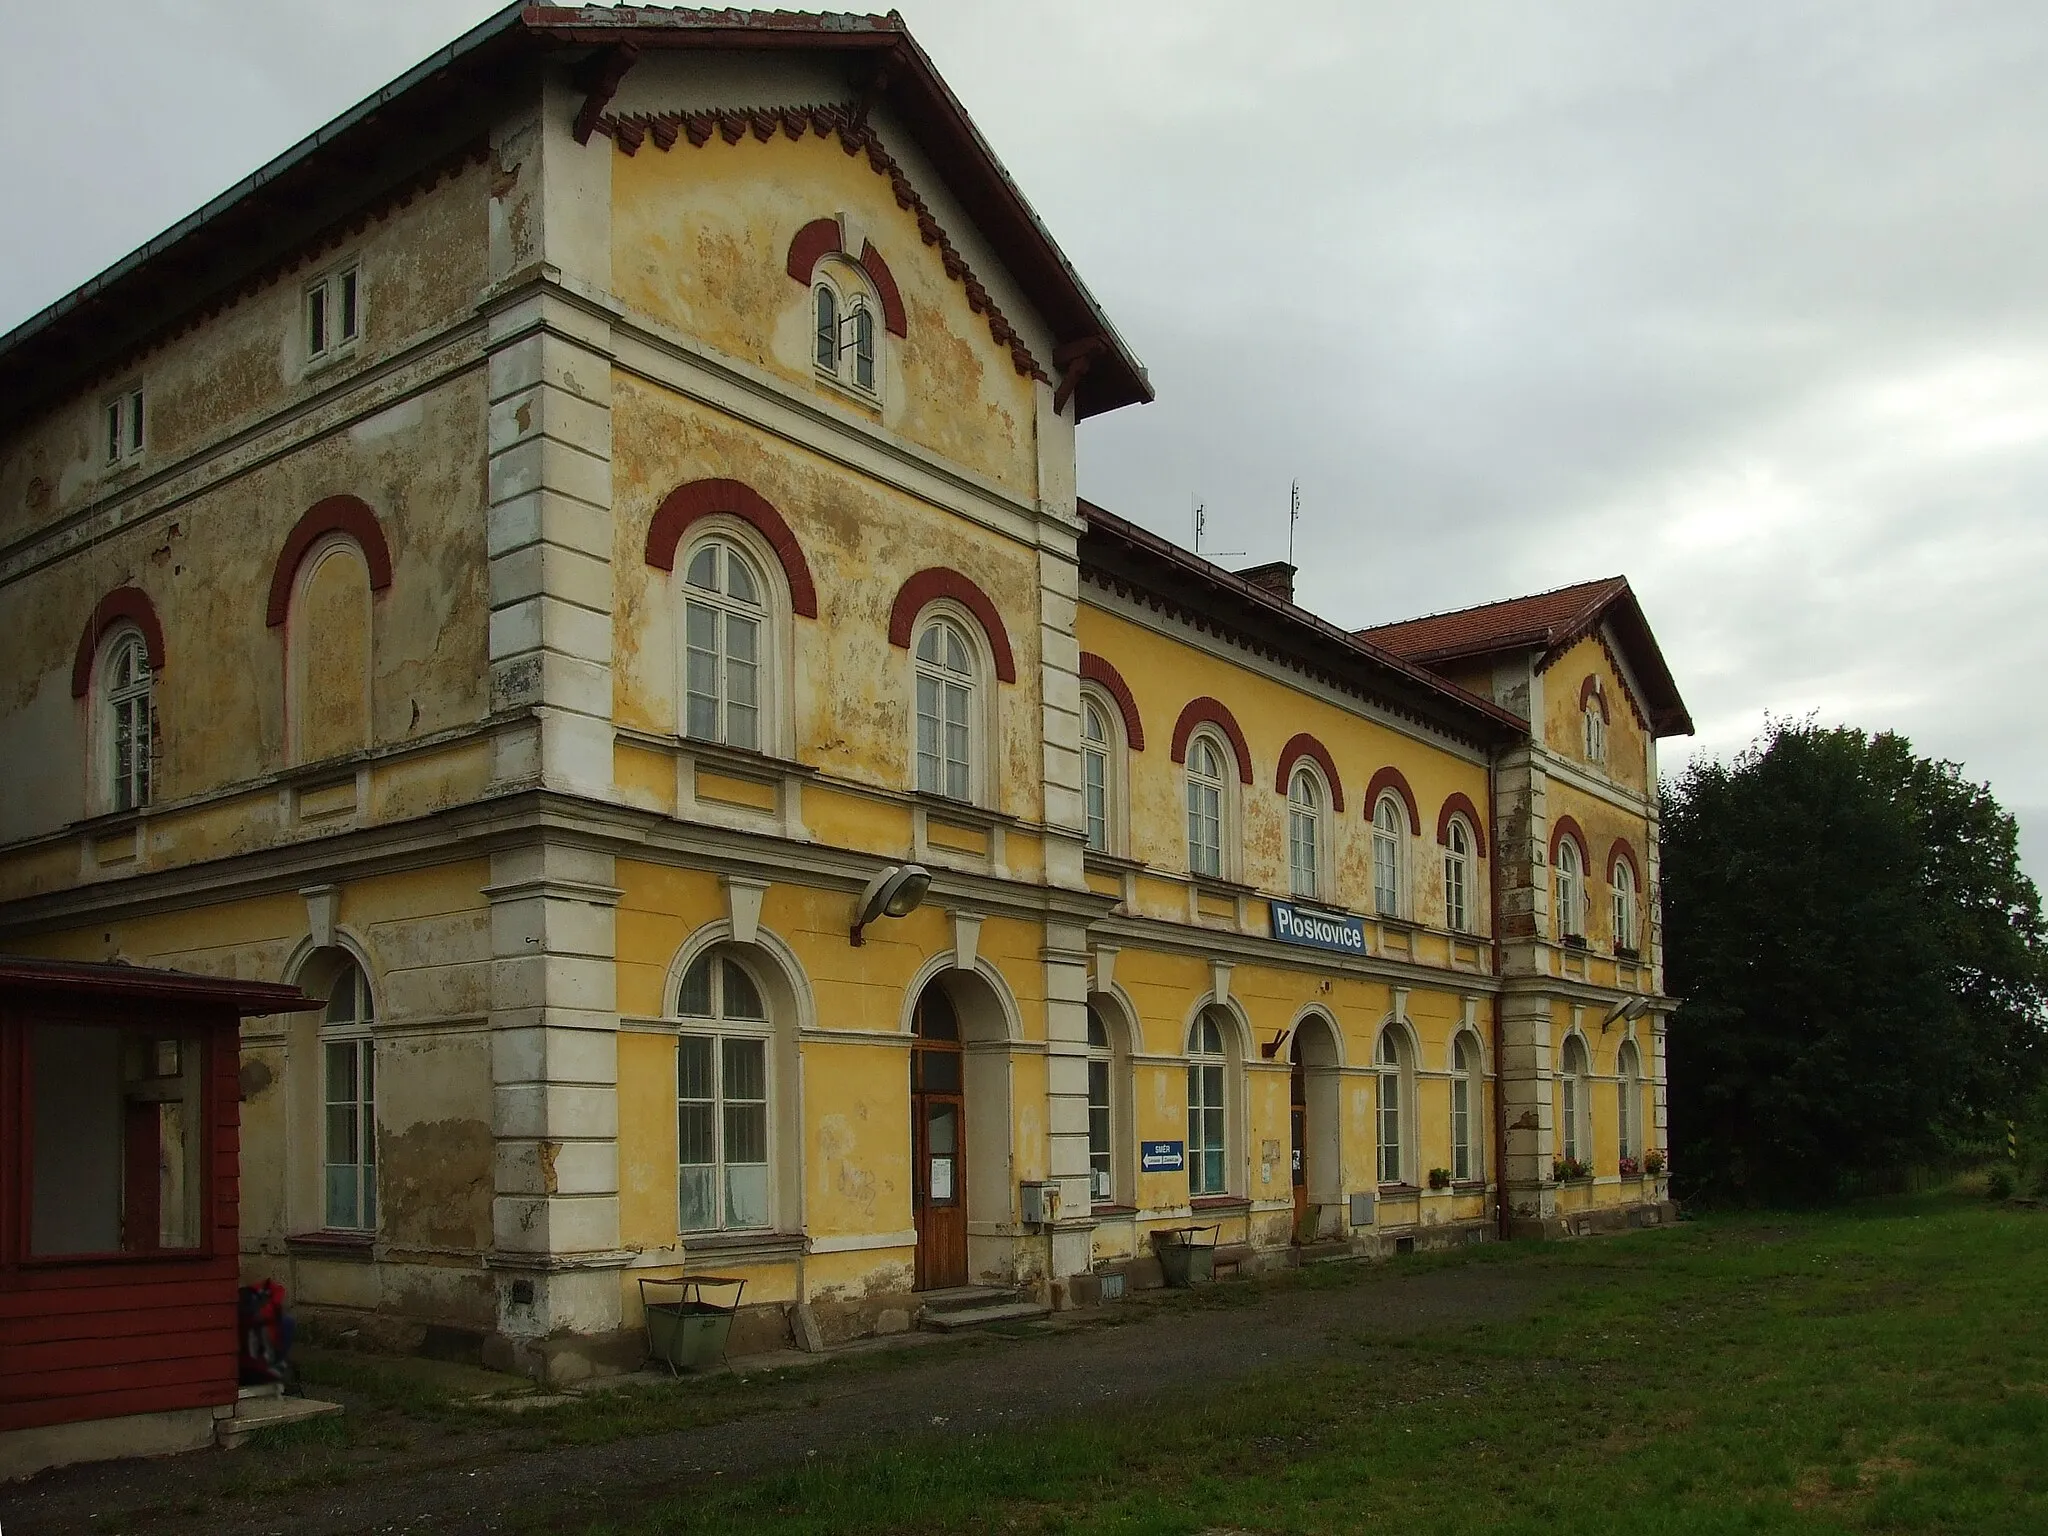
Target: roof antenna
1201	527
1293	517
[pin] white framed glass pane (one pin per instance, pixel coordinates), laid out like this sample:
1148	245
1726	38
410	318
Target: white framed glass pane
826	351
696	1133
351	311
864	348
342	1209
746	1195
742	1001
697	1198
316	319
1095	795
703	571
693	998
693	1076
739	581
746	1080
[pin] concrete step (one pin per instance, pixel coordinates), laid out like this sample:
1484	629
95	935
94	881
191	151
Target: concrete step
960	1298
254	1414
953	1320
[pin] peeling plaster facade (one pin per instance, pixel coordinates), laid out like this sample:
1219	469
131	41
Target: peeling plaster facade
461	765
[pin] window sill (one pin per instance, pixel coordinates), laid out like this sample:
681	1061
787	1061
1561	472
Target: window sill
869	398
742	759
1216	885
1219	1203
347	1247
1113	1212
961	810
1398	1191
1395	920
1468	1186
1096	860
741	1245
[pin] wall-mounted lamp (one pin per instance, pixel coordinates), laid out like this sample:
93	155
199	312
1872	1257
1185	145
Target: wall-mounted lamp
895	891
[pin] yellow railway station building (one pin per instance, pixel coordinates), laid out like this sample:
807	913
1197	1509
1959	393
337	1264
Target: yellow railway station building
579	564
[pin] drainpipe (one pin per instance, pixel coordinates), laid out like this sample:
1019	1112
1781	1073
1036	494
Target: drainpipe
1500	1102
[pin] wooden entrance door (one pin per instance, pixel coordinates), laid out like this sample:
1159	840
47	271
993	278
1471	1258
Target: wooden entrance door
938	1144
1297	1121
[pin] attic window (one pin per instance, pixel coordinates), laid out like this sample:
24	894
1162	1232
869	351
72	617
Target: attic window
334	313
123	415
844	343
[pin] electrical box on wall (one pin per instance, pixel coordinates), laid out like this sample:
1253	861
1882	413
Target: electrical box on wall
1040	1202
1361	1210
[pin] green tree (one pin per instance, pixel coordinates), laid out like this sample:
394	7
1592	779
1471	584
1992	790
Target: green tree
1862	966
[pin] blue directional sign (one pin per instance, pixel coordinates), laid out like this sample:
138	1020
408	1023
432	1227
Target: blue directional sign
1161	1156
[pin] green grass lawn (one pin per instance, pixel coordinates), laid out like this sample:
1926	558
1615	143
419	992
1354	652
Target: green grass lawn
1882	1369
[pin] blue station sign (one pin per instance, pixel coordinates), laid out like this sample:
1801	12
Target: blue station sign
1318	930
1161	1156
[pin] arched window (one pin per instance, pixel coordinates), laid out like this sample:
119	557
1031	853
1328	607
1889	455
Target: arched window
1209	773
348	1069
1630	1102
127	709
328	650
827	313
1622	883
1457	876
1596	731
722	1095
1098	774
1572	1107
1465	1101
724	614
844	337
1208	1121
946	682
1571	891
1391	1059
1101	1115
1305	800
1388	815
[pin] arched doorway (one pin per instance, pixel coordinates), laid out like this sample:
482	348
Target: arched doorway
1313	1123
938	1141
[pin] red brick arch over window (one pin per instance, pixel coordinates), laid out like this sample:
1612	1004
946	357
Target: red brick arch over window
123	605
936	581
699	499
1591	689
1562	828
1208	711
1460	804
1621	850
1392	778
1305	745
1096	670
820	238
347	515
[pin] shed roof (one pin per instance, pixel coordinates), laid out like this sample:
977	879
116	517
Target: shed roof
112	979
386	138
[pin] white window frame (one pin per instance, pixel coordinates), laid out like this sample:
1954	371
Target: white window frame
1390	855
1626	914
1308	831
980	703
1102	1115
1109	757
726	611
856	308
336	296
1393	1100
1629	1101
1596	732
1458	877
1209	1068
123	427
1568	890
354	1035
118	707
1574	1071
1468	1099
1221	784
719	1028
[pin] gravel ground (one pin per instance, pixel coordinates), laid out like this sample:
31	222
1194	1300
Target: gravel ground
404	1475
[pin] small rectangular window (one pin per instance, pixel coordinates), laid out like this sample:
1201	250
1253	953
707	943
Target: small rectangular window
333	312
124	426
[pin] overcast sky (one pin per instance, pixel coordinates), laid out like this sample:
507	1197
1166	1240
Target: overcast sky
1748	302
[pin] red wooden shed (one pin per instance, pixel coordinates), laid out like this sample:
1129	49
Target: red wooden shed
119	1184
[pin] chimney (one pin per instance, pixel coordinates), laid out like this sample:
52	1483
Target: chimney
1275	576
